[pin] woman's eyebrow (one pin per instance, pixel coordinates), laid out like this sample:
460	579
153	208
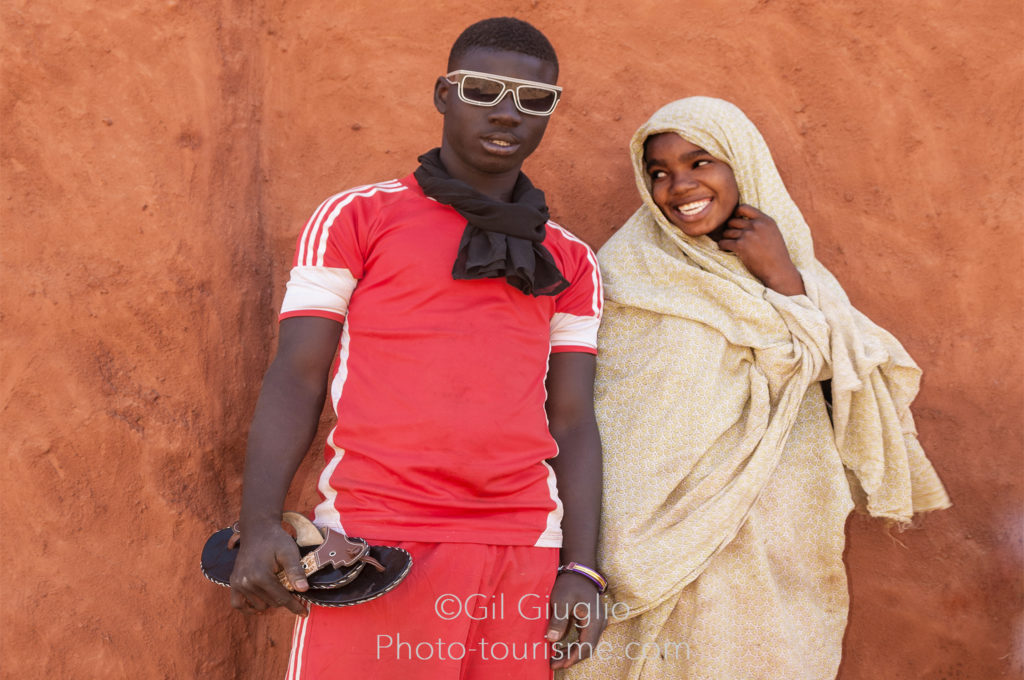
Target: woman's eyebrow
693	154
648	162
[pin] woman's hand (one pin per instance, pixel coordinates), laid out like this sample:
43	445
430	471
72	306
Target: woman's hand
756	239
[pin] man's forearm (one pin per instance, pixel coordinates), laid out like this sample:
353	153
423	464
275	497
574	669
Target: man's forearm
577	466
283	426
287	414
578	470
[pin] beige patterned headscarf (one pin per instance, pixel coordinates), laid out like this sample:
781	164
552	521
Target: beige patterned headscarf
682	473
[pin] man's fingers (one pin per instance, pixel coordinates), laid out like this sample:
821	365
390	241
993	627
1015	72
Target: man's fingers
238	600
591	632
256	594
590	627
576	652
246	604
557	625
275	595
296	578
294	605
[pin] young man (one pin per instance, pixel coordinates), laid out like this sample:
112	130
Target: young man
465	326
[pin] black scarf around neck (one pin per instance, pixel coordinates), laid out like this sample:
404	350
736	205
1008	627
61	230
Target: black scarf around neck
501	239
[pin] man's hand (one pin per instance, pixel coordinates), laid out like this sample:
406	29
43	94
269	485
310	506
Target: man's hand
263	554
756	239
574	601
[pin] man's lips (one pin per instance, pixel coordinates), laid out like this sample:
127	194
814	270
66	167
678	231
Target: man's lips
500	144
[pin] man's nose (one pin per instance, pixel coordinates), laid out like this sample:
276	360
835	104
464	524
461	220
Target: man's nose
505	111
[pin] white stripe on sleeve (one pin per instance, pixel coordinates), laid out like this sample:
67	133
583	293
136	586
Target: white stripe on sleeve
326	289
569	329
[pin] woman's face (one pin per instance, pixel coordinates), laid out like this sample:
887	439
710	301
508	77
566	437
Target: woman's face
695	191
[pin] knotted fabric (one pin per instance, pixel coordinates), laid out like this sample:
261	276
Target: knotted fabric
501	239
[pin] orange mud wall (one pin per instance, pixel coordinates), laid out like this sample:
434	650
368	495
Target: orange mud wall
159	159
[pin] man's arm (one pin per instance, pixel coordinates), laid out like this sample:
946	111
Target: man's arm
283	426
577	467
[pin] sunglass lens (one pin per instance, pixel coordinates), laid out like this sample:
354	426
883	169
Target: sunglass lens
536	99
483	90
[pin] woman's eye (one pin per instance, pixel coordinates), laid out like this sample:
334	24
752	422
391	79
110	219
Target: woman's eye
657	174
703	161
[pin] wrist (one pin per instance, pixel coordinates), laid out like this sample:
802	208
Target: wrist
586	557
590	574
581	549
260	521
786	283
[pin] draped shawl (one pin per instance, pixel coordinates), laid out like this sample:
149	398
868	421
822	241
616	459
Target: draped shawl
682	471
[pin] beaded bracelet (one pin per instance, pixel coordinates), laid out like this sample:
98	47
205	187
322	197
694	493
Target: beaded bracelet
582	570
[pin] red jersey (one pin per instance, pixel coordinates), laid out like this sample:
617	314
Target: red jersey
441	431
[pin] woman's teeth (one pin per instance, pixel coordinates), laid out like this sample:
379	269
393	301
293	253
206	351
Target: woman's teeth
693	208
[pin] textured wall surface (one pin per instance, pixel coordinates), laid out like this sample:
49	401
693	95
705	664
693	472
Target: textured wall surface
159	159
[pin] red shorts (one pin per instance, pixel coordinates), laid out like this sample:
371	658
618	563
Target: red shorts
466	611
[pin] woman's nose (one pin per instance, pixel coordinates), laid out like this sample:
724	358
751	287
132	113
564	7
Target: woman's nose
683	181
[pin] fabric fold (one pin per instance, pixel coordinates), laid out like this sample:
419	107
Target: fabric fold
705	374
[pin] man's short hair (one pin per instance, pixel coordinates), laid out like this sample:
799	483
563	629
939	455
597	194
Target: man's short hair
503	33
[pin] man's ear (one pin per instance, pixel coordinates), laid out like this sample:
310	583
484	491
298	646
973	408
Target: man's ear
441	89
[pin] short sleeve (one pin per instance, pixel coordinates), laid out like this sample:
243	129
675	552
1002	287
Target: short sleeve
329	257
578	308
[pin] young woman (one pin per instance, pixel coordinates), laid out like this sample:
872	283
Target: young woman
728	474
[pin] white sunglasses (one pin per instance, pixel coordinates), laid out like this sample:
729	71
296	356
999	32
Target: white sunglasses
487	89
